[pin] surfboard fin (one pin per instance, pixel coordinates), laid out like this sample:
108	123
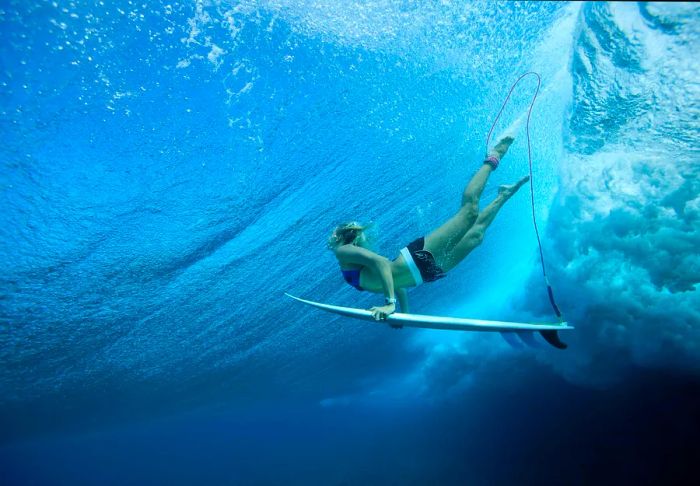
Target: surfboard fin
530	340
512	339
552	337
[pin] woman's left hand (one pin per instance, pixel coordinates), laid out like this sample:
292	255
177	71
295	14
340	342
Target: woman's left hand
381	313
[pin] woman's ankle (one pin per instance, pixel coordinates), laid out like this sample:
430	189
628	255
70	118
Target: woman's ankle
493	161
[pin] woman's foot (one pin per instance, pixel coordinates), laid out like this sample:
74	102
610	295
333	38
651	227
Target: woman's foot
501	147
508	190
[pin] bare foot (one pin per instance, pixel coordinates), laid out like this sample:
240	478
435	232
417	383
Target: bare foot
502	147
510	189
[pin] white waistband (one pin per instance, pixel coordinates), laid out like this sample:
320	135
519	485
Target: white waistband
415	273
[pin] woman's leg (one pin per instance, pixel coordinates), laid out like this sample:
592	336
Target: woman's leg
472	193
475	234
441	241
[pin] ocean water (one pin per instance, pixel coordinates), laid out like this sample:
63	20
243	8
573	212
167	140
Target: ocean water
170	169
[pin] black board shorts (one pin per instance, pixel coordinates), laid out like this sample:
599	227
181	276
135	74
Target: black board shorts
421	262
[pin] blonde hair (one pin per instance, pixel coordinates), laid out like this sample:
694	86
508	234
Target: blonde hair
345	234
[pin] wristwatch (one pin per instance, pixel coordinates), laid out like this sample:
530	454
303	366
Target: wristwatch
389	300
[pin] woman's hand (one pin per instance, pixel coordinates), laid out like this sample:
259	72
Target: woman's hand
381	313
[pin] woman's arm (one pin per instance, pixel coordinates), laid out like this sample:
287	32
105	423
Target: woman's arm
381	266
402	295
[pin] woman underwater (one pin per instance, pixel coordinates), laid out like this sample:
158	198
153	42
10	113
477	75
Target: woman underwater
428	258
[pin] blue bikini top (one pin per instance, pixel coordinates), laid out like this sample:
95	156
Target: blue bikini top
352	277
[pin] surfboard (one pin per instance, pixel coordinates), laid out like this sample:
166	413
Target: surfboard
436	322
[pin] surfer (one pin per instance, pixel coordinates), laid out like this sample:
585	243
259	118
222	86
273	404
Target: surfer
427	258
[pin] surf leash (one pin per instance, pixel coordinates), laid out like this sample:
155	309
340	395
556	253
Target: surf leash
550	336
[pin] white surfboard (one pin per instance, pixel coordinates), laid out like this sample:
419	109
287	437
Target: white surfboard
435	322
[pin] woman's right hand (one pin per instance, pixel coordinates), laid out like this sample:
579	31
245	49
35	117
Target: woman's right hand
382	312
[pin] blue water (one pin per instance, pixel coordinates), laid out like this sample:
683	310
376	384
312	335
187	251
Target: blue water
170	169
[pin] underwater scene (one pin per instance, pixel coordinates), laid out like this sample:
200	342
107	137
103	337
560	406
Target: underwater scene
171	172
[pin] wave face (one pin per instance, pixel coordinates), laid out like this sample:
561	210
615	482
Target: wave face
169	169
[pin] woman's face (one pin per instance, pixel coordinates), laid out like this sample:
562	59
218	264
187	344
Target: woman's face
361	239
